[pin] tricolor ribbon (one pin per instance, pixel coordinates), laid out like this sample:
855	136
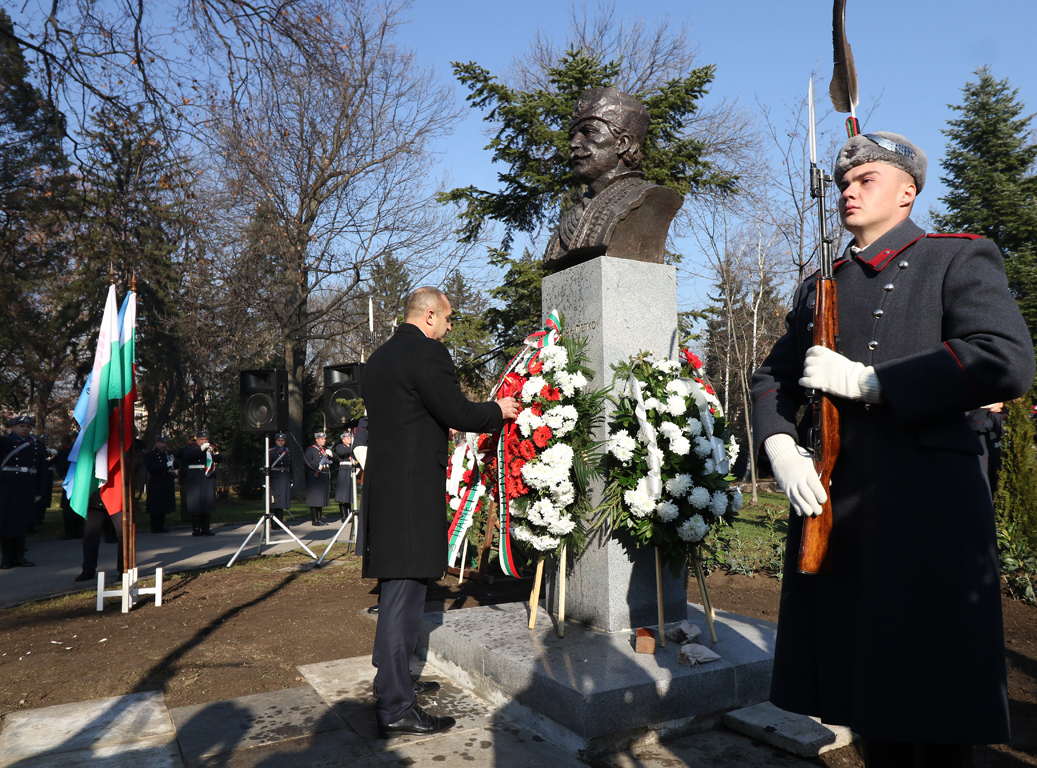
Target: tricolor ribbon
471	498
531	347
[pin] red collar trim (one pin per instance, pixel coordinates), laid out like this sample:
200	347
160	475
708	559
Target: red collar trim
879	261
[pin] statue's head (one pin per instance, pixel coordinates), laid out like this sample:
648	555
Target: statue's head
606	133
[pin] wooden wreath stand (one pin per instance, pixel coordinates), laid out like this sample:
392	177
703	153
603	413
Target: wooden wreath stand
534	597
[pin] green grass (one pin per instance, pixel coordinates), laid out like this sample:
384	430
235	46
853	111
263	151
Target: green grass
755	541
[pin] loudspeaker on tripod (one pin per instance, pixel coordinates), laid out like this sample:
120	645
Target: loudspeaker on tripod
341	382
264	400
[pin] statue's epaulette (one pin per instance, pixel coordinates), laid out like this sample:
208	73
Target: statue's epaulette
955	234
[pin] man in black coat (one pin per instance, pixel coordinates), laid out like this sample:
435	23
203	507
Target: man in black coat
318	458
23	461
161	465
902	640
198	462
412	399
280	476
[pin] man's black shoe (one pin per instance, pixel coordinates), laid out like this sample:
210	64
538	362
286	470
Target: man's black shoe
417	721
197	533
424	687
5	565
86	576
21	562
373	610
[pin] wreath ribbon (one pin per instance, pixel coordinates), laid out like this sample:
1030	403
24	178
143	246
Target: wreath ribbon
471	499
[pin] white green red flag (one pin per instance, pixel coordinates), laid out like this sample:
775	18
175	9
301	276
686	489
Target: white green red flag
122	388
88	460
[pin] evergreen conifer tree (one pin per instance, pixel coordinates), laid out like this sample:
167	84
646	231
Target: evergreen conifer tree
1016	499
992	187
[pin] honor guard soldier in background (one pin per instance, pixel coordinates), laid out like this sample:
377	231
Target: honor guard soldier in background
23	460
346	467
318	478
161	465
74	524
928	330
280	477
46	484
198	463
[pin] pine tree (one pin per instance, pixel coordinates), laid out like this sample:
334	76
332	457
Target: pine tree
469	339
1015	502
992	187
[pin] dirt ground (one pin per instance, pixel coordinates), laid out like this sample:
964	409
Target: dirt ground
224	633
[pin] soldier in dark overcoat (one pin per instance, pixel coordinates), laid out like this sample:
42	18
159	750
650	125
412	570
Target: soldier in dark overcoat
346	467
198	462
161	466
902	640
280	476
74	524
23	461
318	458
412	398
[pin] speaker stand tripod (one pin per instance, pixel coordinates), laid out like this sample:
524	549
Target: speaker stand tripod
266	519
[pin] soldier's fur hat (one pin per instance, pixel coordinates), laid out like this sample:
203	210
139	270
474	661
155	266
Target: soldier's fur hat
882	147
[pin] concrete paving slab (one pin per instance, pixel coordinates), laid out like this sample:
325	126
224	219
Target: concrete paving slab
347	685
332	749
205	730
716	749
504	745
798	734
155	752
59	561
86	725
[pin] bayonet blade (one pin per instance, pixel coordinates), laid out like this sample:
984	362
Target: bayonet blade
813	135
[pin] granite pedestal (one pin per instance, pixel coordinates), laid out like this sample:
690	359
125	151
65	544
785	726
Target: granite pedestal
589	692
621	307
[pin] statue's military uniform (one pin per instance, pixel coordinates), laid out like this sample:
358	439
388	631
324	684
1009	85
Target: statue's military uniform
23	461
902	640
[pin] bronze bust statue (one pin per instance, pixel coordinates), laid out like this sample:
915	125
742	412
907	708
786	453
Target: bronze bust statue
620	214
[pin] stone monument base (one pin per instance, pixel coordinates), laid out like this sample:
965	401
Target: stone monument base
589	692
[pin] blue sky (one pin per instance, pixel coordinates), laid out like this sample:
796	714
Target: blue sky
914	56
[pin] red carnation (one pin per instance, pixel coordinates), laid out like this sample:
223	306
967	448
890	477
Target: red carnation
553	394
691	358
511	386
541	435
535	366
526	450
466	478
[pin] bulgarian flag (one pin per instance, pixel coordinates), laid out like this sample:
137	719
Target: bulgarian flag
122	387
88	459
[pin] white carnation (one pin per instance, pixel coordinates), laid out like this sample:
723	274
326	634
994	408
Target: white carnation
527	421
455	503
667	366
703	447
651	404
736	499
679	387
693	529
669	430
640	499
718	506
680	445
622	445
709	466
666	511
699	498
532	388
676	405
678	485
693	427
554	357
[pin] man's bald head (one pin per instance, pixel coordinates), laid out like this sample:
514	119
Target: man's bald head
423	300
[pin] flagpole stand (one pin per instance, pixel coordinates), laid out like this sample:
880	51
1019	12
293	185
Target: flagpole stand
268	518
347	521
129	590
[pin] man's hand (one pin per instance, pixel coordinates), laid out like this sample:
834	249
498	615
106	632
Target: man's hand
834	374
510	407
794	470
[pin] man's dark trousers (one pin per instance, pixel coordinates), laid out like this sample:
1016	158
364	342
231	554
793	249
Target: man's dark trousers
400	608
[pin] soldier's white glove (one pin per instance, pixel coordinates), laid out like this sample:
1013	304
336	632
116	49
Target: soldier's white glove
834	374
794	470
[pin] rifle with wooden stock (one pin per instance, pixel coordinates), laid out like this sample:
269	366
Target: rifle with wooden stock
824	432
